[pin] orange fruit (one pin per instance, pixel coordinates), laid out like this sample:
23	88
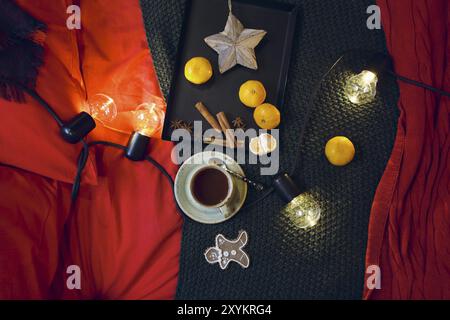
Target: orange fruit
198	70
267	116
252	93
340	151
263	144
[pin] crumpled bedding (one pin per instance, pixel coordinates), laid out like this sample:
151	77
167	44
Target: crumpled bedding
124	233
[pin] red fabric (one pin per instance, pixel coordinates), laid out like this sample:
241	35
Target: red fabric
125	235
29	138
125	231
409	228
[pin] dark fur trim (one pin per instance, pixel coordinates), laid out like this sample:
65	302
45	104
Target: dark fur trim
21	54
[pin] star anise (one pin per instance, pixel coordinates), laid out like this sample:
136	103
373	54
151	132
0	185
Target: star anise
239	123
176	124
187	126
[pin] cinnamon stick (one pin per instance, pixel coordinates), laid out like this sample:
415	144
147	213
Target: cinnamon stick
226	128
208	116
223	143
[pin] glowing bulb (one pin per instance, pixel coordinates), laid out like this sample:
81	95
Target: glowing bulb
102	108
148	119
301	208
303	211
362	87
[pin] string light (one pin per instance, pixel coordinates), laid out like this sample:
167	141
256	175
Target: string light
362	88
303	211
102	108
147	120
301	208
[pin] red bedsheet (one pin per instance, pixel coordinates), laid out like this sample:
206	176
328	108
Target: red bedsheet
409	234
125	232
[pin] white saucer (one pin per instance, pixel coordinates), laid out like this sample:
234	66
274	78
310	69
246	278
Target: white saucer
208	215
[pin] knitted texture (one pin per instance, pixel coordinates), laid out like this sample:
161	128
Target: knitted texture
327	261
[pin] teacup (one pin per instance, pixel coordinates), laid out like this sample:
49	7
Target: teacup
210	186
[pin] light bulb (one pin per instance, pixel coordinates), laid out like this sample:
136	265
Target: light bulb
102	108
301	208
148	119
303	211
362	88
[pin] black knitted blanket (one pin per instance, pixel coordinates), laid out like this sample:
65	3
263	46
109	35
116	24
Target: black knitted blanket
327	261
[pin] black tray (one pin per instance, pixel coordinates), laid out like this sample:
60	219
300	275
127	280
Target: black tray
207	17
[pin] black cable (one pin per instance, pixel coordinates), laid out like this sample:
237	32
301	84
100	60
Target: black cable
82	161
266	193
84	155
162	169
388	70
108	144
310	104
44	104
419	84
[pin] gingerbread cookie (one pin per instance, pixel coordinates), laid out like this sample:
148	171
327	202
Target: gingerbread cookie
228	250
